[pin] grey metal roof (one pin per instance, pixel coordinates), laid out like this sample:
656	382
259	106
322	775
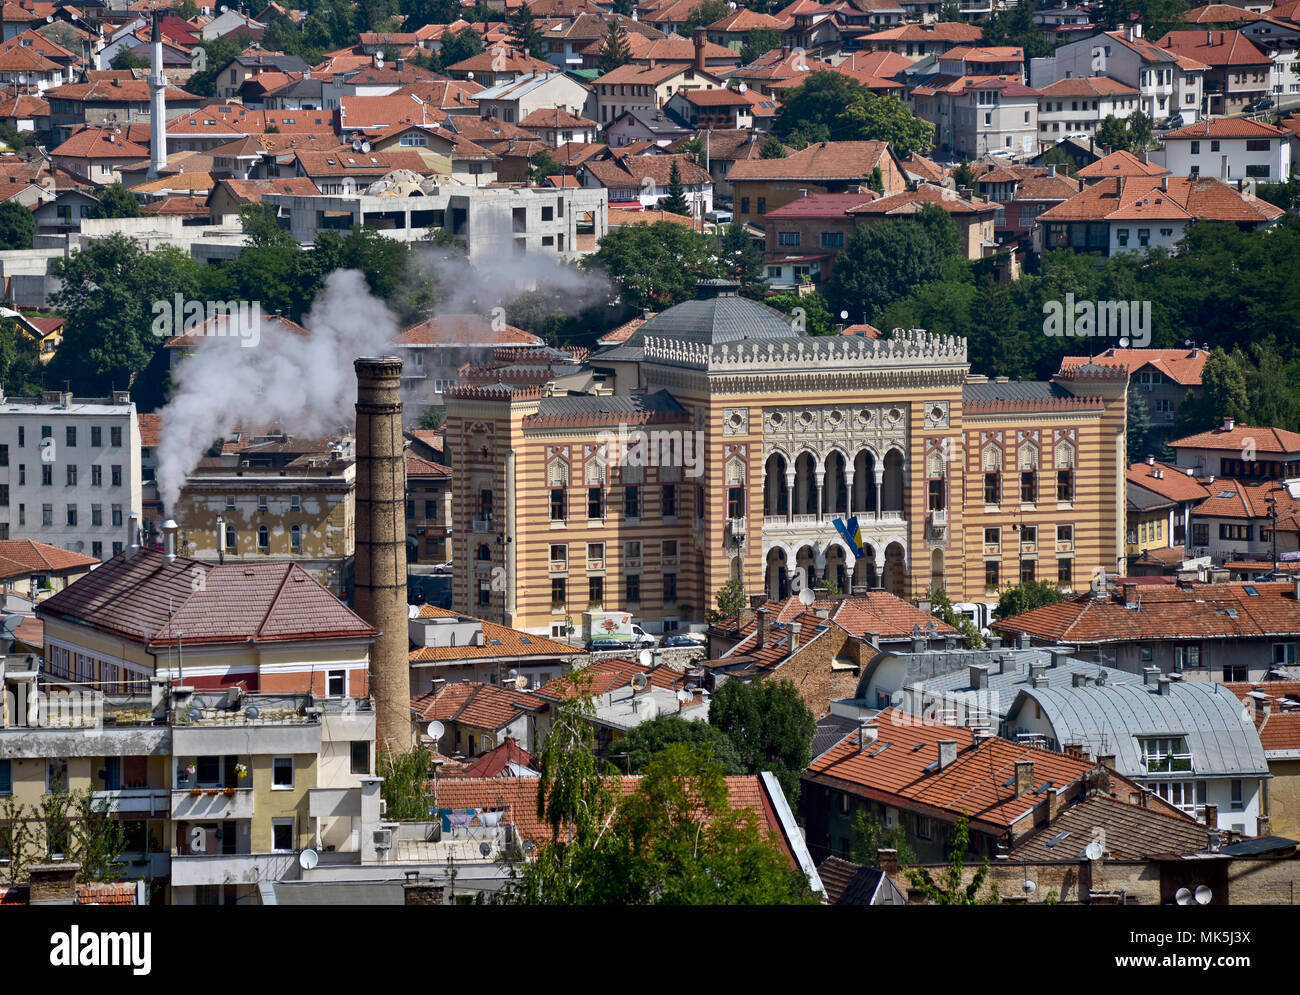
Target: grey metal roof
709	320
660	402
1015	390
831	730
1004	686
1111	719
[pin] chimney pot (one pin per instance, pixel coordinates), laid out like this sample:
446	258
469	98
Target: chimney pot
1212	816
979	676
795	628
1150	675
887	862
169	528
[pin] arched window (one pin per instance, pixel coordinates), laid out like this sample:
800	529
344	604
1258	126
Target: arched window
484	553
295	538
263	539
232	539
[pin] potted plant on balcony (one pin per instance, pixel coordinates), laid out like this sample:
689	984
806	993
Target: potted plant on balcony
194	792
241	771
228	792
191	770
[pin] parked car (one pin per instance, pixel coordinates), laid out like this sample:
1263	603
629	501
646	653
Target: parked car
1172	122
606	645
679	639
1261	105
719	217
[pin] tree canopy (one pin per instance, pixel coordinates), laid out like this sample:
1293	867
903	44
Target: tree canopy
758	43
831	107
656	265
116	201
642	743
1026	596
17	226
770	726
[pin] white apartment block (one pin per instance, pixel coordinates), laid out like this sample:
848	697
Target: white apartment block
1168	84
1078	106
976	115
70	470
1228	149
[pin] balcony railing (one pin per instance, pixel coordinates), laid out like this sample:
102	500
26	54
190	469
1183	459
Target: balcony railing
233	868
558	566
135	801
481	525
212	803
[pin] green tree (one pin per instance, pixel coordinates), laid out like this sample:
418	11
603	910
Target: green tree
217	54
616	50
829	106
406	792
109	292
884	260
941	608
463	44
541	165
772	149
870	835
964	176
635	751
705	14
432	419
524	34
770	726
1132	134
21	370
739	258
1140	130
758	43
1026	596
17	226
116	201
656	265
126	59
885	119
187	9
1016	27
675	202
1138	437
731	600
816	315
877	180
950	889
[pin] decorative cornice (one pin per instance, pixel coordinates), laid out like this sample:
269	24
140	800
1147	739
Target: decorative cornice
907	347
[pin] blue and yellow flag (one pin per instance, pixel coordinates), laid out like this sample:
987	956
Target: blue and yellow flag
849	530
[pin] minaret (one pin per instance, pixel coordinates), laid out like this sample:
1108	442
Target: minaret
381	546
157	103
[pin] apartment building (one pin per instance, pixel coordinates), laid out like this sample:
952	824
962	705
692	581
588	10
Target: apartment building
1229	148
1163	378
70	470
1077	106
976	115
1239	74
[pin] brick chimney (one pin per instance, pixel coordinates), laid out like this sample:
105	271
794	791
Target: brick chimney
794	636
887	862
1024	777
699	37
762	628
1212	816
53	884
1107	760
947	753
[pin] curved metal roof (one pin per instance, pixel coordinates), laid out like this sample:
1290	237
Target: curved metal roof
1112	719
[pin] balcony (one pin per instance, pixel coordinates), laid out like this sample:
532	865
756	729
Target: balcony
481	525
206	804
558	566
992	549
135	801
233	868
938	516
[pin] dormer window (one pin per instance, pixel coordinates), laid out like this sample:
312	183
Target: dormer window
1165	755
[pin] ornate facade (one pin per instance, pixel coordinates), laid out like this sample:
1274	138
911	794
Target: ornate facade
732	442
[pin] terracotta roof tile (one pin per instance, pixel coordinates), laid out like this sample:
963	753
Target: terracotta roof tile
1275	441
508	642
819	161
1173	483
465	329
27	556
483	706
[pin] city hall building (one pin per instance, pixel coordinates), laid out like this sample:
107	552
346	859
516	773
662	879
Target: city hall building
722	442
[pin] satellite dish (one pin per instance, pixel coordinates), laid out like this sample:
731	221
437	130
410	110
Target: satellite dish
742	88
646	658
1203	895
1183	896
365	146
412	611
436	729
1029	887
512	673
10	622
806	597
379	60
49	19
683	696
639	682
521	682
251	712
485	848
308	859
1093	851
356	145
844	316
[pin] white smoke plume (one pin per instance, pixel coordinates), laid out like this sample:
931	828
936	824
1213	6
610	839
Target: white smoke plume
496	279
307	385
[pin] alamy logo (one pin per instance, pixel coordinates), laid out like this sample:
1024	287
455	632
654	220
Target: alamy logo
1128	321
657	448
102	949
221	319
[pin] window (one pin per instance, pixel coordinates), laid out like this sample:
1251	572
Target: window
1258	145
1238	802
744	205
232	539
762	205
22	474
936	495
261	502
596	551
558	594
832	240
1028	487
596	590
1196	148
97	515
117	514
1026	571
557	504
96	436
97	550
992	488
788	238
115	435
924	827
360	756
47	475
633	588
1259	171
1187	656
1064	571
1235	672
670	588
1121	236
484	592
1029	535
117	474
72	474
336	683
70	436
595	504
47	515
991	575
1284	653
22	437
6	777
993	537
1065	485
668	501
631	503
281	835
1065	534
281	773
295	538
263	539
56	777
559	556
97	478
72	514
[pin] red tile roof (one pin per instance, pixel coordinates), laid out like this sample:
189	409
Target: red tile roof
1165	611
1227	127
821	205
1087	86
555	117
974	784
1182	366
951	31
19	557
99	143
603	676
1249	499
1274	441
1174	483
1143	198
465	329
145	599
483	706
1214	48
494	762
914	201
1121	163
819	161
508	642
106	893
